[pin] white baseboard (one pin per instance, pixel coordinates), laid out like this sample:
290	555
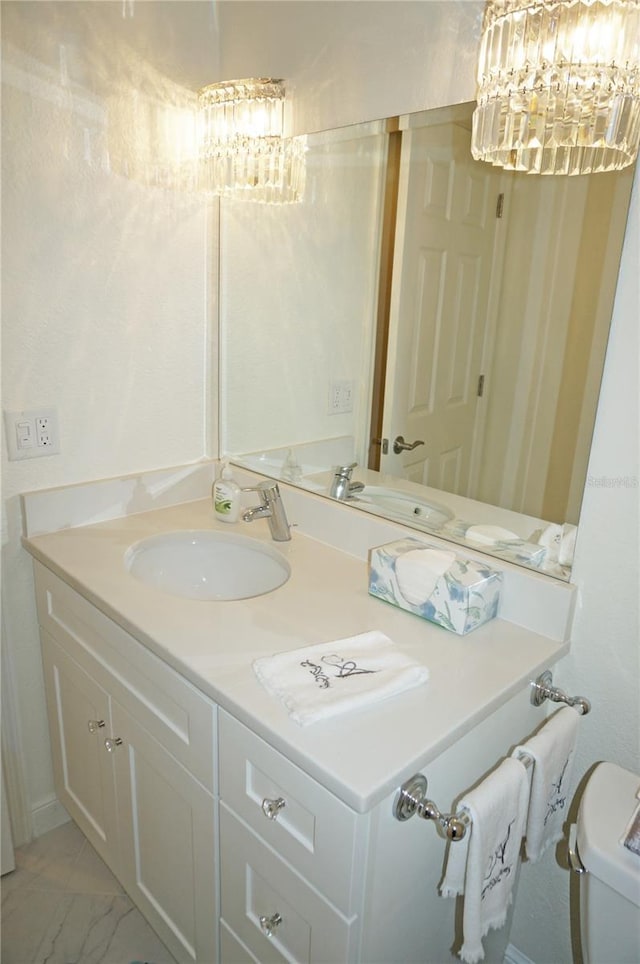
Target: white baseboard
513	956
48	816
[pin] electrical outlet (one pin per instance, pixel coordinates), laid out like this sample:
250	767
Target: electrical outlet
30	435
340	396
44	432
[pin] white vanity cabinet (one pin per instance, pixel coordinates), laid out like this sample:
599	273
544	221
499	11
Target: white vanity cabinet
235	853
134	747
304	878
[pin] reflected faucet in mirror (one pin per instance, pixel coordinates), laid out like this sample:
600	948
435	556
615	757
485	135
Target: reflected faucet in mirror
341	486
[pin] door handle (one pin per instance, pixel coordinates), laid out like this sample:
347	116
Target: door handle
400	445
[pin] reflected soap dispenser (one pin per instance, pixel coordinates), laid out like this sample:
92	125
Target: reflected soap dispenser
226	495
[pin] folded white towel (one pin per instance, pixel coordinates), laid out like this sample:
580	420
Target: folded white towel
551	538
320	681
552	751
567	544
559	541
484	864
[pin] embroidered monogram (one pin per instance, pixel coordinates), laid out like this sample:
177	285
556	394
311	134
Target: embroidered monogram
345	667
557	797
321	678
498	869
340	668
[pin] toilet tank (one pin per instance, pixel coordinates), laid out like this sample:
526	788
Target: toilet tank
610	890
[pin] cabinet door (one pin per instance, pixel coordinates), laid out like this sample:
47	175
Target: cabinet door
167	834
79	723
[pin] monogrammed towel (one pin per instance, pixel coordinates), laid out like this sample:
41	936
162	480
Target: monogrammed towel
321	681
552	751
483	865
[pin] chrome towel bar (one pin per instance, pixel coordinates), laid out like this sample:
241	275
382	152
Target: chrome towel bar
542	689
411	799
412	795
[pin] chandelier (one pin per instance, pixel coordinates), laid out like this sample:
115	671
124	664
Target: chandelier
558	86
242	150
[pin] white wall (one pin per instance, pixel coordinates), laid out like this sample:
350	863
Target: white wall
348	62
104	297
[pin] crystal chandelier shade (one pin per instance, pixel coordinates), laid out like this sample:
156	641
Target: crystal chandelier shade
242	150
558	86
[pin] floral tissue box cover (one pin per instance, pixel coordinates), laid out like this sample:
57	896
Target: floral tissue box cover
447	589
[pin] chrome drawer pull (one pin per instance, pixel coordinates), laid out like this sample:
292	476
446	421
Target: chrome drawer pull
269	924
271	808
94	725
111	744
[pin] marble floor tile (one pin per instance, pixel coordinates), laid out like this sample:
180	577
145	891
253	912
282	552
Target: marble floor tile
96	928
46	863
90	875
26	917
62	905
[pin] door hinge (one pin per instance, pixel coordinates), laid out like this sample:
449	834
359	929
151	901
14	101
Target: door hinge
480	386
500	206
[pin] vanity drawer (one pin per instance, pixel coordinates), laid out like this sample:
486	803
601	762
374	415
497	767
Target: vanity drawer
256	883
181	718
317	833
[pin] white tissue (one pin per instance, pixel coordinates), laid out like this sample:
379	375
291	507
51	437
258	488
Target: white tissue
418	571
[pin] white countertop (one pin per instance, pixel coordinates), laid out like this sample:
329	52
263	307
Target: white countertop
361	756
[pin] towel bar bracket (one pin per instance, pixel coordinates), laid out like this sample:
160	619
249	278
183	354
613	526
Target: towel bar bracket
542	689
411	799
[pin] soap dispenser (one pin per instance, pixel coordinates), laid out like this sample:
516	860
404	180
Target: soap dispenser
226	496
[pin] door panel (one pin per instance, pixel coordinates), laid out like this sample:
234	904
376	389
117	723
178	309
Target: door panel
83	769
167	836
440	306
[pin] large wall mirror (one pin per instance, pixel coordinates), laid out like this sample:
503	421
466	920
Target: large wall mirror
438	322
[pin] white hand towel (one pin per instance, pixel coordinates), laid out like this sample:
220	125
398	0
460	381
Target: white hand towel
552	751
317	682
483	865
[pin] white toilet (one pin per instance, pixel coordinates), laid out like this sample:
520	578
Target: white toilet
610	888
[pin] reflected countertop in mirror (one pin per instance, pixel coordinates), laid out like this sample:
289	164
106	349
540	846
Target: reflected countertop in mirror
415	293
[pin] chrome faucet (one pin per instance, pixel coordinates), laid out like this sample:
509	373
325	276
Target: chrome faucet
271	508
342	487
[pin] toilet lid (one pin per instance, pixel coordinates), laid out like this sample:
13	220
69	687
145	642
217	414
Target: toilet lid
608	804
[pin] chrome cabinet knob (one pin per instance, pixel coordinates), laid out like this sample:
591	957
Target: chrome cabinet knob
111	743
271	808
94	725
269	924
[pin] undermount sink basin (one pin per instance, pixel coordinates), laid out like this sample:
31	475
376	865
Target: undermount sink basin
207	565
404	506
